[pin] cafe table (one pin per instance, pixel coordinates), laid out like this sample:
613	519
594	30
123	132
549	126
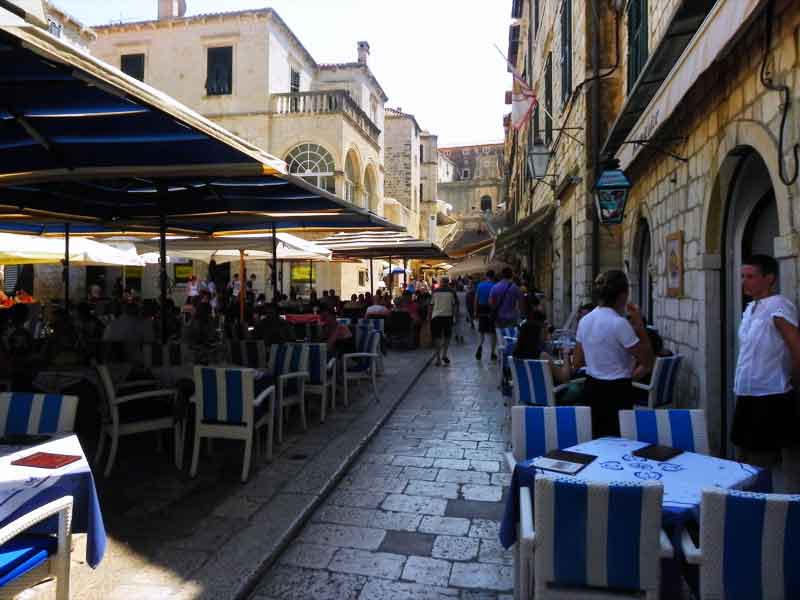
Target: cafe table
24	489
683	478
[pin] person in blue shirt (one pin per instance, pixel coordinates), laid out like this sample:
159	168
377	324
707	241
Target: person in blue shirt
483	311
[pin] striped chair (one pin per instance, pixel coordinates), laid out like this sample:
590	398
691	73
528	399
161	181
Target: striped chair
252	354
172	354
227	407
288	364
344	321
662	382
121	417
568	541
536	430
363	326
749	546
37	414
362	364
682	429
321	376
532	382
506	341
27	560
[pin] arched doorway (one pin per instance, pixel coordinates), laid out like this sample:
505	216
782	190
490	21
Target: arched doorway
750	227
371	185
352	179
642	269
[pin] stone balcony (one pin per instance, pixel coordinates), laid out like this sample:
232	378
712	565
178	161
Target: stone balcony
326	102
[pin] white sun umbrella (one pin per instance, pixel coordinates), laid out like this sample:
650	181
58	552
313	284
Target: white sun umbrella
26	249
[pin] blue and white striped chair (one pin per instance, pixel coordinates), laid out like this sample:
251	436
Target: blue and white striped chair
321	376
363	326
27	560
506	340
172	354
252	354
344	321
532	382
682	429
37	414
662	382
748	546
227	407
362	364
288	364
586	539
536	430
121	417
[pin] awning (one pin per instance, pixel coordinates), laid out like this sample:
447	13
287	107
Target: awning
476	265
520	232
380	244
226	249
25	250
82	142
699	32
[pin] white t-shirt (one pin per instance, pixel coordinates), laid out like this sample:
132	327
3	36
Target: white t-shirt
444	303
764	366
606	338
377	309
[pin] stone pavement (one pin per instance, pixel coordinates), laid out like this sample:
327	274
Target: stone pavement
212	537
416	516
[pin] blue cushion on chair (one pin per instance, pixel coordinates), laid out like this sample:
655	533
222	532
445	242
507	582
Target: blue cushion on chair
24	553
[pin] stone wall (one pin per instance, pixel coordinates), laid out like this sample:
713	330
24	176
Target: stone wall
403	169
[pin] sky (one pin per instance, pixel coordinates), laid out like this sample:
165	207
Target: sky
434	59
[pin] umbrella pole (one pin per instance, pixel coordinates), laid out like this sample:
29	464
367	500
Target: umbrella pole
371	278
242	288
65	272
391	279
274	276
162	279
310	277
405	274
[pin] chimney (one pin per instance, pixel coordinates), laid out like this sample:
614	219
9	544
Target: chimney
171	9
363	53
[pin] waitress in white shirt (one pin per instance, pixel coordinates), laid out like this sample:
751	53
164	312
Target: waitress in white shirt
766	427
609	345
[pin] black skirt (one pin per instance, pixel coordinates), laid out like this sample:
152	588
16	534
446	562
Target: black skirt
606	398
766	423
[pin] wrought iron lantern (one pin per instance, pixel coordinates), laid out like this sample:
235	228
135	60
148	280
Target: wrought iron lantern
611	194
539	159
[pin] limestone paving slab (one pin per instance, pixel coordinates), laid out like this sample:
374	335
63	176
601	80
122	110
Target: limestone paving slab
492	551
415	473
484	528
454	476
372	564
365	538
415	504
378	589
484	493
445	525
427	570
455	548
359	499
397	521
294	583
435	489
486	576
408	543
312	556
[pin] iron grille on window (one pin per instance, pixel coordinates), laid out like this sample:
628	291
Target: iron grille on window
637	40
548	100
516	9
219	81
132	65
513	45
566	50
294	84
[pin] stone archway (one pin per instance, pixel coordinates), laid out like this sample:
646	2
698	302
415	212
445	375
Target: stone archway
372	197
353	185
744	193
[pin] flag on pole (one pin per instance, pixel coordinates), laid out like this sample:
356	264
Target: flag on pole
523	98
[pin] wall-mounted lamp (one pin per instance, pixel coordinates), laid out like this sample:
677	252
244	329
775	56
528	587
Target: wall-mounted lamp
611	193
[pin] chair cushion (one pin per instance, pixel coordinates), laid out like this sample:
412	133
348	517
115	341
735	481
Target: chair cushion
24	553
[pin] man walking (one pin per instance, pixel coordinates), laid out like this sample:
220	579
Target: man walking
765	424
444	310
505	299
484	313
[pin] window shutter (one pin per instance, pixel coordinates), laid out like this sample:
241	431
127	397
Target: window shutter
566	50
548	100
219	81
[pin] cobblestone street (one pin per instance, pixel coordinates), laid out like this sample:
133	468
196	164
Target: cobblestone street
416	516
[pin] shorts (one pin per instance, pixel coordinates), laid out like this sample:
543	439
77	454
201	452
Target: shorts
485	319
766	423
441	327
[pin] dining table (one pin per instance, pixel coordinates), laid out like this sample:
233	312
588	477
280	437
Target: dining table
683	478
26	488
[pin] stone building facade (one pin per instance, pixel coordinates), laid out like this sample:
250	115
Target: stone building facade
248	72
691	103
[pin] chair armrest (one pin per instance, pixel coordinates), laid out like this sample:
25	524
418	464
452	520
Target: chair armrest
146	395
641	386
667	551
527	534
136	384
270	391
293	375
558	388
331	364
690	551
347	357
510	461
62	505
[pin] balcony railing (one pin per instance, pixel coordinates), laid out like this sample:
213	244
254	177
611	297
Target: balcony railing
335	101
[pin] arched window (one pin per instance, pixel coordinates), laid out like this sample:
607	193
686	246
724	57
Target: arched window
314	164
486	203
351	180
